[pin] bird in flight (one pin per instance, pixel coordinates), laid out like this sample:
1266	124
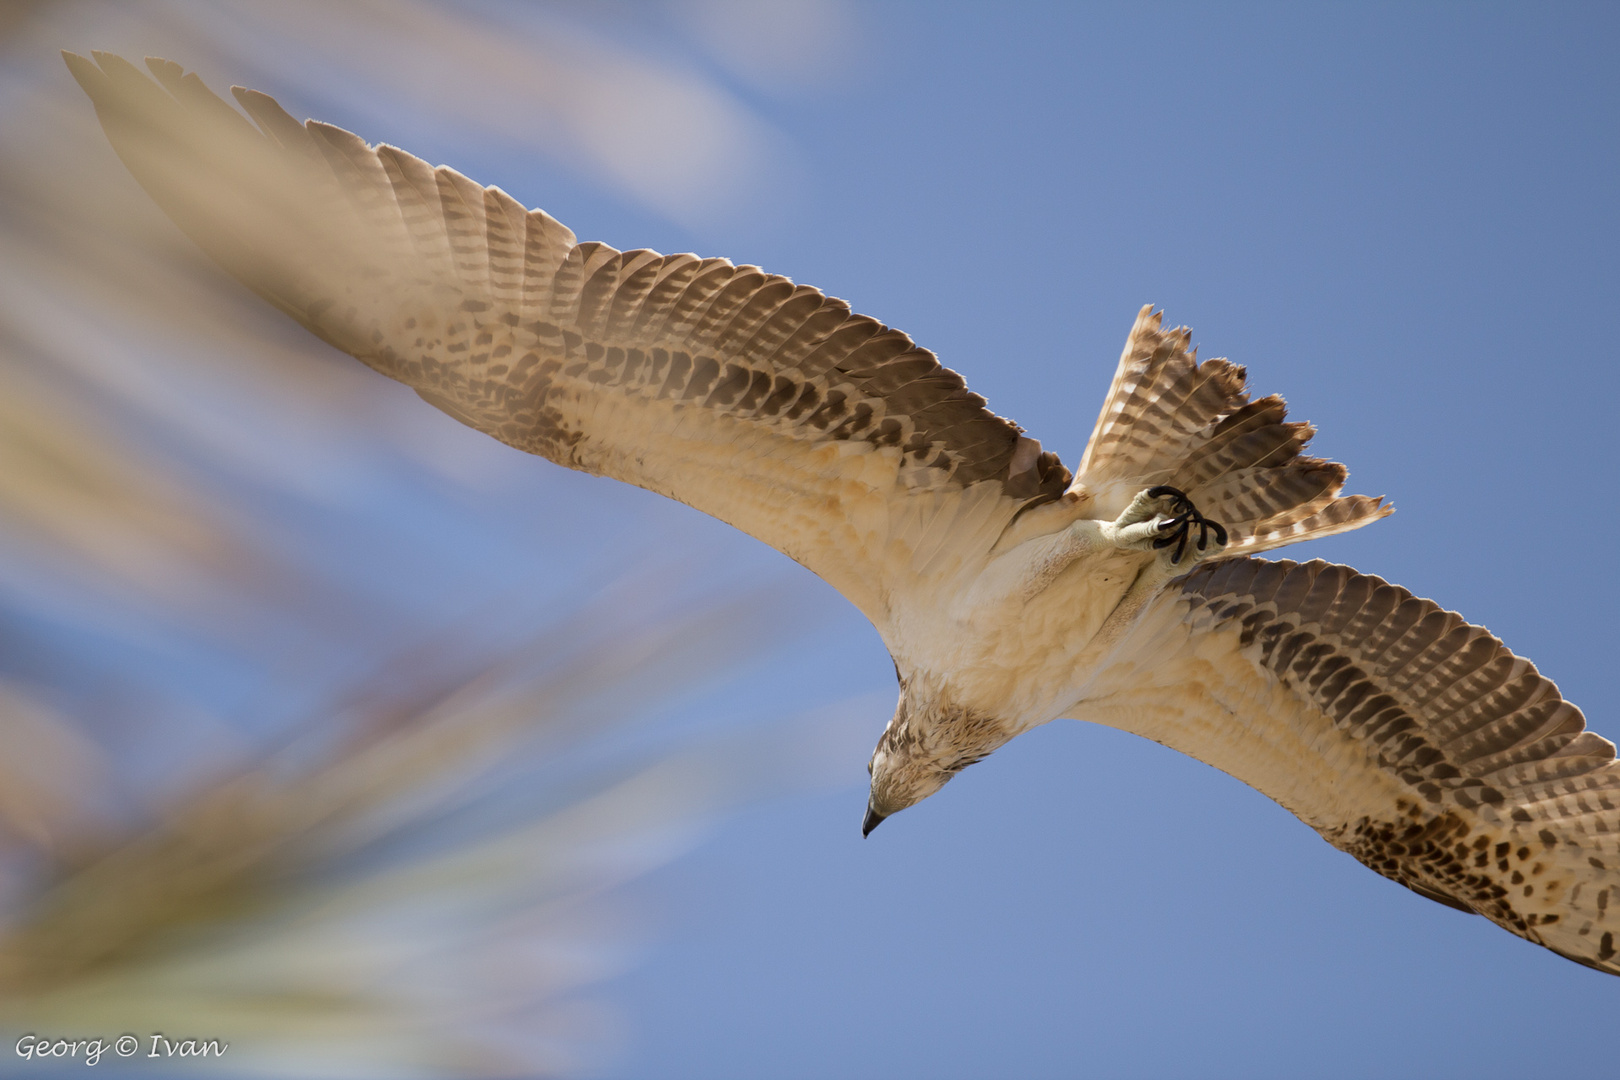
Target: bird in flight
1009	590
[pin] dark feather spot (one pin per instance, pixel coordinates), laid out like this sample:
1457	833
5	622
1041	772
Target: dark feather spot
679	365
731	387
1349	699
807	400
633	360
830	410
887	433
1251	628
783	393
758	386
704	372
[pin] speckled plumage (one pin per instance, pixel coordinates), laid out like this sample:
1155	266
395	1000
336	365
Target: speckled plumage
1009	592
1406	736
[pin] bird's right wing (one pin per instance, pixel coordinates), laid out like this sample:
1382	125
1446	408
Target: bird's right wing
1409	738
769	405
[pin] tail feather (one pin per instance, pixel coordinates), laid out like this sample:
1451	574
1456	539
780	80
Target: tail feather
1268	495
1261	439
1340	515
1170	420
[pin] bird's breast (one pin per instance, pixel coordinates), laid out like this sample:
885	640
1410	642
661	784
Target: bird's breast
1012	656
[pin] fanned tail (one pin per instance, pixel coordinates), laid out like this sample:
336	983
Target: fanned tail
1170	420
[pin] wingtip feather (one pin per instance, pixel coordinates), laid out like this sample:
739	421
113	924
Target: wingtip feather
91	79
164	70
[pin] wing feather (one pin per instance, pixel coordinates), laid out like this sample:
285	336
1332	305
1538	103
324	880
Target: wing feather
722	386
1407	737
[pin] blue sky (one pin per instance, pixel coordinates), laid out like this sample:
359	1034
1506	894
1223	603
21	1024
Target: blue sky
1400	217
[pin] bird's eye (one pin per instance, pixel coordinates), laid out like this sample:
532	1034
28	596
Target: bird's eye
868	768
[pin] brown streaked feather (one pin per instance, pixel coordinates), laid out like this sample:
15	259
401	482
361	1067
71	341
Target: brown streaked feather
1409	738
649	368
1169	419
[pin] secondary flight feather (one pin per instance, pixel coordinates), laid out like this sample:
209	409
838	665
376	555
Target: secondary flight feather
1009	591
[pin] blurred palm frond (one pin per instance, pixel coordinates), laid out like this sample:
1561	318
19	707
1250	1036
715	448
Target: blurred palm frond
287	758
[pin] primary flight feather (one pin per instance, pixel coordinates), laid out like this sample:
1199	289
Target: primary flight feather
1008	591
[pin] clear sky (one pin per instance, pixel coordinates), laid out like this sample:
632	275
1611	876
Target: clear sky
1402	218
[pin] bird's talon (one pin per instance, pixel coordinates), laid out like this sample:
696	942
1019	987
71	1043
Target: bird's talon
1171	530
1176	529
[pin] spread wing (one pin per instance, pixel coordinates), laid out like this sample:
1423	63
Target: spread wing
1412	740
764	403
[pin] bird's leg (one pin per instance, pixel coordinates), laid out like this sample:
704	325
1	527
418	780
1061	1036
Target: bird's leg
1163	519
1159	519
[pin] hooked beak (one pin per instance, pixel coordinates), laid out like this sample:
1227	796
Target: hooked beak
873	820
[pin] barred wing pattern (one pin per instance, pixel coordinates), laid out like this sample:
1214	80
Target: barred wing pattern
1168	419
1409	738
764	403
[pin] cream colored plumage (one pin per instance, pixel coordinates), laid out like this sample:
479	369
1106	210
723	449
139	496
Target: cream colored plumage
1009	592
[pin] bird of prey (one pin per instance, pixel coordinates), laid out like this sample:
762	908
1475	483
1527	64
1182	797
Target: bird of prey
1009	591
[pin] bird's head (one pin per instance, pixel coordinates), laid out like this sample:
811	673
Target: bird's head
922	748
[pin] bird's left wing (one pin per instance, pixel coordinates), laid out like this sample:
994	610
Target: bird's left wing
767	404
1406	736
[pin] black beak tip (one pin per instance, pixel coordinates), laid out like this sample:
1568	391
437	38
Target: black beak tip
873	820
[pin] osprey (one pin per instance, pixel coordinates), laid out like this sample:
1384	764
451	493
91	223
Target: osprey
1009	591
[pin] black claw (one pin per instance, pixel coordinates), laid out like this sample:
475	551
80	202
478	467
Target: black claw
1179	528
1183	505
